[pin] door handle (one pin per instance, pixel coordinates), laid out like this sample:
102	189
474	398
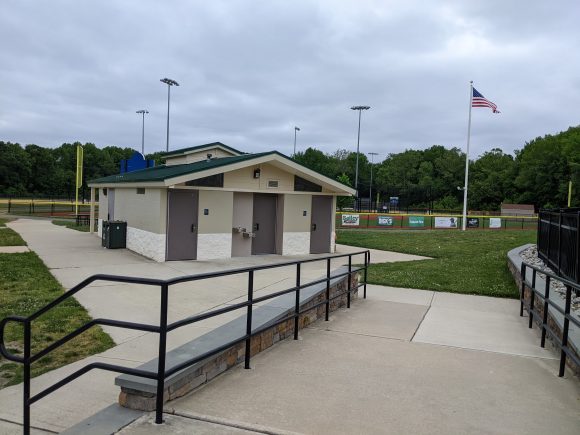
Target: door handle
313	227
193	228
256	227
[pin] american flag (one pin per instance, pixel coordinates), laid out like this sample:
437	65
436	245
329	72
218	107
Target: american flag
479	100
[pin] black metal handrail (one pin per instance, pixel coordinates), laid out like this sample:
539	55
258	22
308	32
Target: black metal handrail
163	328
562	343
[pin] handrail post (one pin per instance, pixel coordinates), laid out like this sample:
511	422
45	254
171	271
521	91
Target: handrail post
162	354
565	330
546	307
367	254
249	319
297	306
532	299
560	244
523	288
326	316
349	281
577	248
26	378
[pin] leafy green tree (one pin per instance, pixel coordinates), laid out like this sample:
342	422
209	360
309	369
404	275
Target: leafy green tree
344	201
491	180
15	170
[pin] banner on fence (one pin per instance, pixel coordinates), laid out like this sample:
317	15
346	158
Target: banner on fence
473	223
445	222
351	219
386	221
495	222
416	221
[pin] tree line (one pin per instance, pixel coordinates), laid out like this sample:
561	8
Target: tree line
431	178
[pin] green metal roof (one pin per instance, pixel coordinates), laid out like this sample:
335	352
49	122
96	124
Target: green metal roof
199	147
164	172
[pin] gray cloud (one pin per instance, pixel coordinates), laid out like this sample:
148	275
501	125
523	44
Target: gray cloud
249	71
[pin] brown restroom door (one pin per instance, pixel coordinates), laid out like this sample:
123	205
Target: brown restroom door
264	224
321	224
182	224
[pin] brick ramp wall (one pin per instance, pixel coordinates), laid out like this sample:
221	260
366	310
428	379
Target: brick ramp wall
140	393
514	265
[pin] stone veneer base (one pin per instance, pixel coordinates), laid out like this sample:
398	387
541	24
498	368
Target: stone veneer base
296	243
214	246
146	243
140	393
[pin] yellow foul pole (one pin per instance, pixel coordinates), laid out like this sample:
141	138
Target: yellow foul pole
79	179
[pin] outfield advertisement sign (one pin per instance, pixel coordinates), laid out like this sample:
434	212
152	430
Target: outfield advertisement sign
351	220
385	221
472	222
446	222
416	221
495	222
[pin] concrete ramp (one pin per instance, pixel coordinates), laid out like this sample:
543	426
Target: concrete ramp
370	370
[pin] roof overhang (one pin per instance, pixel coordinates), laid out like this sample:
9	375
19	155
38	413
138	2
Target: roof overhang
275	159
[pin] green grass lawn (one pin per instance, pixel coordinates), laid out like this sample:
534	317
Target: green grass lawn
26	285
472	262
9	237
72	225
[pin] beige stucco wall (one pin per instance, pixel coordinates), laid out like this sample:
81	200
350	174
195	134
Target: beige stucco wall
244	179
294	207
146	212
220	208
242	217
103	205
198	156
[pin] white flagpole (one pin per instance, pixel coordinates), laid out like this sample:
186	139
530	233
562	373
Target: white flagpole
464	222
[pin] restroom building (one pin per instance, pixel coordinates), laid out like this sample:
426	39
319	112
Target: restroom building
212	201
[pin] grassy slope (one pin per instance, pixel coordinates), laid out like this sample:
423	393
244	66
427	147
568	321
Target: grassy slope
473	262
9	237
25	286
72	225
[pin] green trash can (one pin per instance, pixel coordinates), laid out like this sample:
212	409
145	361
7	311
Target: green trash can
114	234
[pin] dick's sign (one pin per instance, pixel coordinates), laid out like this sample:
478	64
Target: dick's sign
386	221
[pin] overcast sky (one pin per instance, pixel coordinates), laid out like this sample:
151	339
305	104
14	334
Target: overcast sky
249	71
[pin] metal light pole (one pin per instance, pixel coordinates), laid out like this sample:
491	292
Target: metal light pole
142	112
169	83
360	109
295	130
371	187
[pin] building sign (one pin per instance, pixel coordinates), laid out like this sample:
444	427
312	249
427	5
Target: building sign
416	221
495	222
445	222
351	219
385	221
472	222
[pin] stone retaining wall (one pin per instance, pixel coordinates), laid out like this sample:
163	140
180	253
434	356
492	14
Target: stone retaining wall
208	369
539	307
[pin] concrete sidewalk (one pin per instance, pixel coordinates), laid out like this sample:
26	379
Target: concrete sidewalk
374	369
402	361
73	256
